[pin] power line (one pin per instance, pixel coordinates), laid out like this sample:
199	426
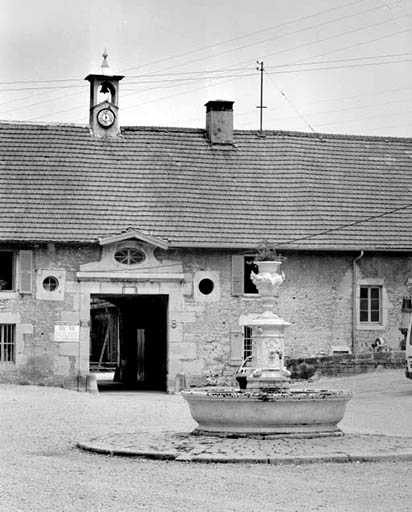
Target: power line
364	42
344	226
188	80
291	33
350	66
44	87
303	30
291	22
42	81
212	73
354	107
191	79
292	105
25	106
334	36
361	43
206	71
204	48
333	61
306	17
343	98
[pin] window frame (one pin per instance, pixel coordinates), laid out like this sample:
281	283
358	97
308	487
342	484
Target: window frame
12	271
7	339
369	284
247	342
247	262
127	260
240	279
369	300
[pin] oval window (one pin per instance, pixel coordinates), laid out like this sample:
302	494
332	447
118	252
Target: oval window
129	256
206	286
50	283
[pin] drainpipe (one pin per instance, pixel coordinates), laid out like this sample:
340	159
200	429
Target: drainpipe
354	308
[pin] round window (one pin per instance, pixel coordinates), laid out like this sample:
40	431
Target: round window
50	283
129	256
206	286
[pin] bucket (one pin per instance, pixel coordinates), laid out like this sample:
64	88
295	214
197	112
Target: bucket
180	382
91	383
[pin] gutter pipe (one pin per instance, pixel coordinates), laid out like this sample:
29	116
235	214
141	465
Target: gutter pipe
354	305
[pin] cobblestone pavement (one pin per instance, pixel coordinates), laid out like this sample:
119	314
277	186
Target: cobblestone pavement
187	448
41	470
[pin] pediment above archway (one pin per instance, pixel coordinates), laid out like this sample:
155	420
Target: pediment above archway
132	255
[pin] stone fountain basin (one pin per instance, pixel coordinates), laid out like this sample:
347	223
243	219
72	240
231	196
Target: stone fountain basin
223	411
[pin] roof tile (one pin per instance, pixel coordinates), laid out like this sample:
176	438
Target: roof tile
58	182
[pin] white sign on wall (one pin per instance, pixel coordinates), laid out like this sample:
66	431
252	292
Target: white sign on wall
64	332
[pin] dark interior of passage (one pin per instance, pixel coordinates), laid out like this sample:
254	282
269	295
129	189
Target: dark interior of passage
129	340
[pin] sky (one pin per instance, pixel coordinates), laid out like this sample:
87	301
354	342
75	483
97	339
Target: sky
330	66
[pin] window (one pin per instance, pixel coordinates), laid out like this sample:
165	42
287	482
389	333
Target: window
249	267
9	261
370	304
50	283
6	270
7	343
247	342
242	267
129	256
206	286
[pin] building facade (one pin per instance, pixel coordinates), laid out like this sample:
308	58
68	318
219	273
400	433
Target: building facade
130	248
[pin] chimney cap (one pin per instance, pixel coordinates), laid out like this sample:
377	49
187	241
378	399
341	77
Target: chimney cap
219	105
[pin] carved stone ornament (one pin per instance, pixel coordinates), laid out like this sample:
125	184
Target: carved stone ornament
269	279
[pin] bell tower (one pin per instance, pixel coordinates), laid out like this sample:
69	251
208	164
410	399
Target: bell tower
104	102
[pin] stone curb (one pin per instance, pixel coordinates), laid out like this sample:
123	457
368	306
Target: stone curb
354	456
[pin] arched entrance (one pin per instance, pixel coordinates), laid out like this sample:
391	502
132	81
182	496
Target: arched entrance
128	341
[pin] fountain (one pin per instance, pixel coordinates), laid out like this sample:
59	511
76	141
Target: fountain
267	406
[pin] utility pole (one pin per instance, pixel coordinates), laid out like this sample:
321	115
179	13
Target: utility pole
261	107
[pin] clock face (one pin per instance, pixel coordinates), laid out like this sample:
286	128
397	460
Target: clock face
105	117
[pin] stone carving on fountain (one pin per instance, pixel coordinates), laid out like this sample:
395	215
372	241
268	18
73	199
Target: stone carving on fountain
269	279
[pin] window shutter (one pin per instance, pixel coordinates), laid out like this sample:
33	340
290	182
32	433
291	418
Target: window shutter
236	348
25	271
237	274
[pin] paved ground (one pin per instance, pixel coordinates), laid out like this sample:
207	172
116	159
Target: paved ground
42	470
186	448
390	441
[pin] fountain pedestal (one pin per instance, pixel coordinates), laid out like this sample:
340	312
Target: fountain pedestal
267	370
268	333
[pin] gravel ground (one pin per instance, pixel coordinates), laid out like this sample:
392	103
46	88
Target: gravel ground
41	470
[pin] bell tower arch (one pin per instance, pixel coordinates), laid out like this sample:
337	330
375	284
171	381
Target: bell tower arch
104	102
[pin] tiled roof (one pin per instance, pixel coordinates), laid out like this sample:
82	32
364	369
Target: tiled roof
58	182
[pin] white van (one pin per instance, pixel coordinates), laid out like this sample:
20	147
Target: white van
408	352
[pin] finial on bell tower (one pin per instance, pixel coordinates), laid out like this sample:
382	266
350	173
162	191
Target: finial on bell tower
105	64
104	101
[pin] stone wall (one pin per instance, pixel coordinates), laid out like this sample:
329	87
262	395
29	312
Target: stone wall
347	364
316	298
39	359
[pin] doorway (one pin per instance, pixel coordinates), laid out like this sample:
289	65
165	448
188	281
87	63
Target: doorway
128	341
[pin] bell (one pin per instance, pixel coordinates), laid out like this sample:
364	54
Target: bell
105	89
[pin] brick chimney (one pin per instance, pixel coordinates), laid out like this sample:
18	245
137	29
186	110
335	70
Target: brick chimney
219	121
